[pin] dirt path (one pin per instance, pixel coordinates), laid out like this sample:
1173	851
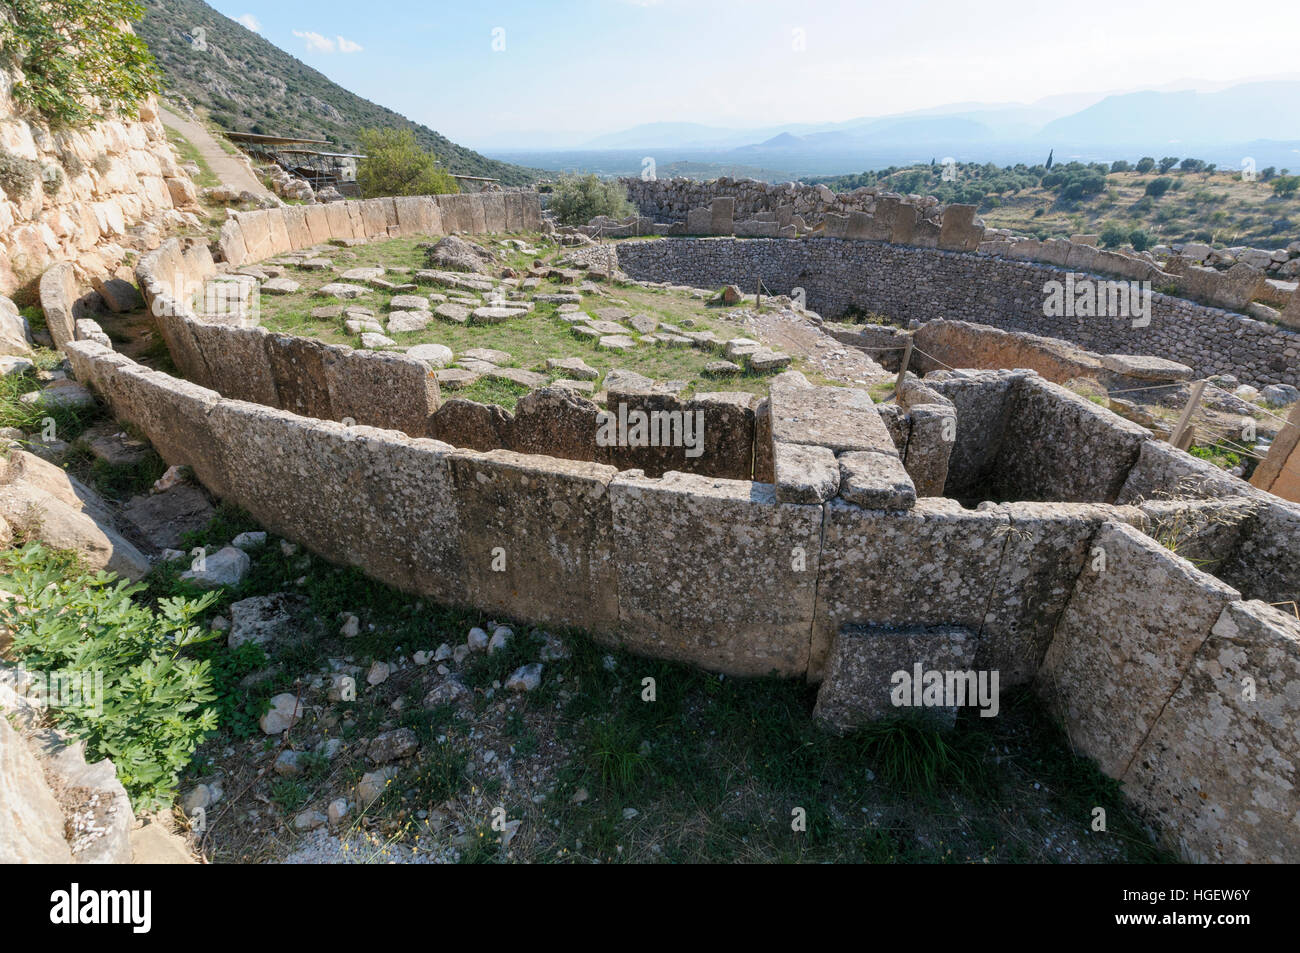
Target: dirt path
232	173
795	335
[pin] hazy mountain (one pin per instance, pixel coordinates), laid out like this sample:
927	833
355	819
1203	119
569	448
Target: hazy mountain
250	85
1220	124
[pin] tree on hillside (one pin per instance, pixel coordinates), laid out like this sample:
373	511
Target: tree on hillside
1286	185
396	165
78	62
579	199
1145	164
1167	163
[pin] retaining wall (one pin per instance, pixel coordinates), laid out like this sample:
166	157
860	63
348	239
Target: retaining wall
906	283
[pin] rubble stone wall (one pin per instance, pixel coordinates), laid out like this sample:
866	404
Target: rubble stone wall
905	283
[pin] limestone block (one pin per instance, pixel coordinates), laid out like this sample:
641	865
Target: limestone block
875	481
31	821
932	430
904	226
318	224
871	568
1266	565
237	361
378	389
860	683
699	221
1219	769
715	572
298	368
494	212
538	538
1124	642
804	474
1162	471
1044	550
473	426
721	215
841	418
58	289
231	243
1058	446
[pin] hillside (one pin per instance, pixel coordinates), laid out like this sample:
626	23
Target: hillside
1198	205
248	84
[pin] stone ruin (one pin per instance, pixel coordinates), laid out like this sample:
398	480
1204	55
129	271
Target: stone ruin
1254	281
985	521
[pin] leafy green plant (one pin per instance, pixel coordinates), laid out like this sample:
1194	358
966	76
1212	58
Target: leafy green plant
151	714
78	61
579	199
396	165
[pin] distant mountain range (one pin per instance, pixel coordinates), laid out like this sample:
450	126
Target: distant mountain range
1223	126
250	85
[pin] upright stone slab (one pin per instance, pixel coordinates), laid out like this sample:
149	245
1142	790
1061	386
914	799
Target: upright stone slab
318	224
494	212
1266	564
1124	642
904	227
1044	550
864	676
378	389
538	538
721	215
237	361
231	242
298	365
1164	472
935	564
958	231
715	572
699	221
1219	769
473	426
1059	446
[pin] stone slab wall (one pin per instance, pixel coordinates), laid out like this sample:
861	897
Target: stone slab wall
906	283
723	574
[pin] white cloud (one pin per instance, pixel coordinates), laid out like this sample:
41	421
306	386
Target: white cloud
323	44
250	21
315	42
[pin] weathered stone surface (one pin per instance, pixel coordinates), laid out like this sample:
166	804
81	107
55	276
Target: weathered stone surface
454	378
465	423
431	355
1265	564
1125	641
1219	768
862	549
381	389
805	474
705	572
119	295
932	430
575	367
874	481
31	821
841	418
298	368
164	518
1146	367
557	422
859	687
280	286
1044	550
1059	446
341	289
549	520
400	322
1162	471
263	619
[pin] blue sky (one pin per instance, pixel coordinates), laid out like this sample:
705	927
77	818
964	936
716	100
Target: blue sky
486	71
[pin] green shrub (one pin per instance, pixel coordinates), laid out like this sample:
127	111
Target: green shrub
17	175
1158	187
104	70
1112	236
1139	239
579	199
396	165
1145	165
51	179
151	715
1286	185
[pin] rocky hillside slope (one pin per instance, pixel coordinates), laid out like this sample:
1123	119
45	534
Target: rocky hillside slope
251	85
